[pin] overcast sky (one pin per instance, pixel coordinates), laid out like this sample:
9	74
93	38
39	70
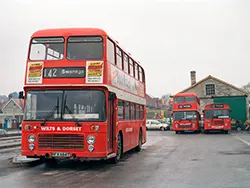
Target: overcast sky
169	37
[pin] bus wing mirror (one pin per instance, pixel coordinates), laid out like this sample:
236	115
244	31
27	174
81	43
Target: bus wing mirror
111	96
21	96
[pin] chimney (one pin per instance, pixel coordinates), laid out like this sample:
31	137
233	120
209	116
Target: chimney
193	77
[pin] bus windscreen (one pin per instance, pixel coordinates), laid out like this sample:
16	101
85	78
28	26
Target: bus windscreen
210	114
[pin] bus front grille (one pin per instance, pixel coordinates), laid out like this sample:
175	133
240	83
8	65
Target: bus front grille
218	122
60	141
185	126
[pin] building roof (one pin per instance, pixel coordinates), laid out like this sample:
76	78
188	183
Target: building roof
18	102
218	80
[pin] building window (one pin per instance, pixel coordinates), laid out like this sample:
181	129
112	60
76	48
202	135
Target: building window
120	110
210	89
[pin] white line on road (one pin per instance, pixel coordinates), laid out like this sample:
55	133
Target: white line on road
247	143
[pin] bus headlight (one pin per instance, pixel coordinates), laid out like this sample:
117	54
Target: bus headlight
91	148
176	125
27	127
91	139
208	124
95	127
31	147
31	138
226	124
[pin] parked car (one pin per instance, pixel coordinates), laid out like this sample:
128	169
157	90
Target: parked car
155	124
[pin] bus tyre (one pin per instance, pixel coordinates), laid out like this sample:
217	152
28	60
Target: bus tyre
176	132
51	162
139	147
119	148
226	132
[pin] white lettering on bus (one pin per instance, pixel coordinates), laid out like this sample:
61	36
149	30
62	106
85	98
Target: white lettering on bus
61	128
72	128
48	128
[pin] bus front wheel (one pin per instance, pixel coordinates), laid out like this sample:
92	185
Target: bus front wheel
119	149
139	147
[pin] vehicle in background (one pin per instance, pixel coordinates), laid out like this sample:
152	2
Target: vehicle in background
186	113
85	97
217	118
157	125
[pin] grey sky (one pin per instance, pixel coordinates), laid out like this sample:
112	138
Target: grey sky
168	37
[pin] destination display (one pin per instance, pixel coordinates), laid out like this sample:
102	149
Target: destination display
185	106
64	72
217	105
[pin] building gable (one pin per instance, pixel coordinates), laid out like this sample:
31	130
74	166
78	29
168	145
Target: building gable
211	86
12	107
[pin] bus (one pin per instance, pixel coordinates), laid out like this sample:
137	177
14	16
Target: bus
186	113
217	118
84	97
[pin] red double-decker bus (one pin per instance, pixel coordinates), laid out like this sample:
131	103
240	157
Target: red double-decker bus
84	97
186	112
217	118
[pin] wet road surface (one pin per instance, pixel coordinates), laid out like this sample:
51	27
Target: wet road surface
167	160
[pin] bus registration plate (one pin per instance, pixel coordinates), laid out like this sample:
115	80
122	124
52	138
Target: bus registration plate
60	154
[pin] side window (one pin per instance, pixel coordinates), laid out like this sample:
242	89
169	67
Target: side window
131	67
125	63
141	75
137	112
118	57
120	110
127	110
133	111
110	51
136	70
141	112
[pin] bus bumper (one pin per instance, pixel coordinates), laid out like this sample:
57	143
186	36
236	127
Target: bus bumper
66	154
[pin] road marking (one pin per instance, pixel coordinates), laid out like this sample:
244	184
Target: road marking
247	143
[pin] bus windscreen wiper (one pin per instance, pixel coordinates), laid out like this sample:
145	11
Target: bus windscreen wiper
56	107
72	116
70	112
49	114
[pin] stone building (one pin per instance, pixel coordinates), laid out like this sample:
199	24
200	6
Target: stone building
213	90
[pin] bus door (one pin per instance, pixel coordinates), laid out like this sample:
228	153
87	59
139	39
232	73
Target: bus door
111	122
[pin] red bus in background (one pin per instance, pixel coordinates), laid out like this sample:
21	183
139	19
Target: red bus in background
186	112
84	97
217	118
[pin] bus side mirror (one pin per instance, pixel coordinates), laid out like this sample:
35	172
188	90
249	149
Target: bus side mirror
111	96
21	96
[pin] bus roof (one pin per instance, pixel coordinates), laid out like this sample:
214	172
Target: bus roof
216	106
77	32
185	94
68	32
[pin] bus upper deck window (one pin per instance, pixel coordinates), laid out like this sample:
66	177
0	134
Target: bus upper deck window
85	48
46	48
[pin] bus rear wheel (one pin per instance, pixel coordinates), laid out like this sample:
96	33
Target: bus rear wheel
139	147
119	148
